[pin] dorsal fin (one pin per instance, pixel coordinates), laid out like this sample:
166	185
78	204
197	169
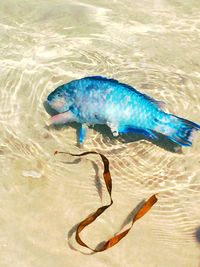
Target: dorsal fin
102	78
159	104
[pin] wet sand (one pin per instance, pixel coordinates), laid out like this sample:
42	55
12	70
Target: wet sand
152	45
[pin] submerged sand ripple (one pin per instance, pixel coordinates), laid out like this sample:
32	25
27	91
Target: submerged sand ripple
153	45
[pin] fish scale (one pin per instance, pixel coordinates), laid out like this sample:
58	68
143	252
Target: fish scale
100	100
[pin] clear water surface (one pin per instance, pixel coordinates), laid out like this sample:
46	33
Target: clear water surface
152	45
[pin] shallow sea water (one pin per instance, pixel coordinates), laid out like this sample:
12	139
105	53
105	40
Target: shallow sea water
152	45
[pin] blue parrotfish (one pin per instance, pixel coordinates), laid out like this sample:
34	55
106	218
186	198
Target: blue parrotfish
100	100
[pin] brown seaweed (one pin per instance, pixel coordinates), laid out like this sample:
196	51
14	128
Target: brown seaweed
143	209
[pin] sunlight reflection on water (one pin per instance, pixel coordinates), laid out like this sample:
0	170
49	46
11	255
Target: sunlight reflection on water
153	46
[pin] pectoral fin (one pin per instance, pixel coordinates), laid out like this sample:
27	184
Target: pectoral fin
62	118
82	133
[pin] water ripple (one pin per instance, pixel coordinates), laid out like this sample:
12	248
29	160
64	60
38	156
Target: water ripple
152	46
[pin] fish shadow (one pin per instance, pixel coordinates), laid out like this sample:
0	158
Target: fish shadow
162	141
197	234
197	237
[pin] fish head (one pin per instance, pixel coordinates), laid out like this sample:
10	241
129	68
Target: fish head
60	99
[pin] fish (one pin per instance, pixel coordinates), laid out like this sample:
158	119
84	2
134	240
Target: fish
101	100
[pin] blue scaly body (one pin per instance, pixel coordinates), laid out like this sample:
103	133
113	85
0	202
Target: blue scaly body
99	100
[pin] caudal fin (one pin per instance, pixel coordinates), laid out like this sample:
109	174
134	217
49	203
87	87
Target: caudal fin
177	129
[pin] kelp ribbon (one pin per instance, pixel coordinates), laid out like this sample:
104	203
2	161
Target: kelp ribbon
145	207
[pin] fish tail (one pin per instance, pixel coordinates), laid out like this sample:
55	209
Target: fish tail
177	129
